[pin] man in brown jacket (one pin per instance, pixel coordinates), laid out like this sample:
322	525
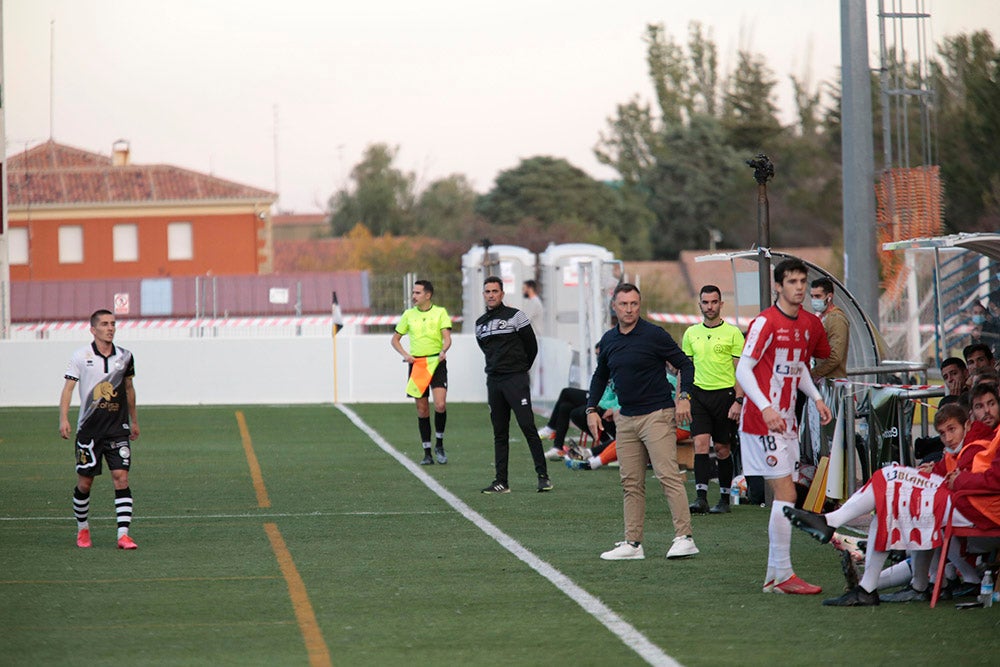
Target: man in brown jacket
834	367
838	330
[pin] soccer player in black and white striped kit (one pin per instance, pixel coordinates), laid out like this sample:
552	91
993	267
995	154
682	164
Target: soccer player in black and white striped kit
106	425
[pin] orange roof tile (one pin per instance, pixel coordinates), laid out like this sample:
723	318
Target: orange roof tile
55	174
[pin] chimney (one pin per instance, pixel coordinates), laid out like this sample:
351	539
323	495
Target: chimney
120	153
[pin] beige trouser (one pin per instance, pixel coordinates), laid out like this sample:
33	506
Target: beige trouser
650	438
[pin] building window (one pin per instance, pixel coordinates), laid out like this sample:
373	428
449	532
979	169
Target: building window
17	245
71	244
179	242
126	243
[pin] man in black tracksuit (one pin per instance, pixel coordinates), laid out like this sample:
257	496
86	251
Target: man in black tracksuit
507	340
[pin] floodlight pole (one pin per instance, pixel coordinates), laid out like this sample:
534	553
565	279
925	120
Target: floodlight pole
763	170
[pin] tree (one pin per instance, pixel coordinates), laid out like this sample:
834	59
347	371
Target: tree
546	199
694	187
967	81
631	142
547	189
749	114
446	209
381	196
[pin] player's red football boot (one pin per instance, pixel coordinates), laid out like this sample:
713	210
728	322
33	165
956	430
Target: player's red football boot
126	542
794	585
83	538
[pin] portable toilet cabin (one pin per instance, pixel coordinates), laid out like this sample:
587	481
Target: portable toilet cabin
512	264
577	280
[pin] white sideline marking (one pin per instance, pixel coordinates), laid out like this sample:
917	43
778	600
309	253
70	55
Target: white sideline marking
629	635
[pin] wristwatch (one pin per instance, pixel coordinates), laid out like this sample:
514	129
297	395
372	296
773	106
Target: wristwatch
591	411
739	399
683	396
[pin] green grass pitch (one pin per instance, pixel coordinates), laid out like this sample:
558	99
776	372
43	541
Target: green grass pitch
391	573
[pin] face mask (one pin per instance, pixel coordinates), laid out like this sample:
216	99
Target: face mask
978	319
819	305
951	450
525	295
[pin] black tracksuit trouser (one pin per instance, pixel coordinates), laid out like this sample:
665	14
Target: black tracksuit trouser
505	393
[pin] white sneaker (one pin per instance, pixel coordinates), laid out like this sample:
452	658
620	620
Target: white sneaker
682	547
624	551
545	433
554	454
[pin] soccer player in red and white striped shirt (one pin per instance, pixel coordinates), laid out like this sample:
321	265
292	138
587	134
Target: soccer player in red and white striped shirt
780	344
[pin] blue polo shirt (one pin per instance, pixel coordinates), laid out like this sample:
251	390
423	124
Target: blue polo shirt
636	362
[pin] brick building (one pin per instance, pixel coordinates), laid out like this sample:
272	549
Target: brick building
77	215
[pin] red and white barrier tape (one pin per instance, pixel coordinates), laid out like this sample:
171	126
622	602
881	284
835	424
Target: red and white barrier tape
230	322
681	318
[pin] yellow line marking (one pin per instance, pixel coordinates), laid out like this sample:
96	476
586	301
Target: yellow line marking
255	474
319	654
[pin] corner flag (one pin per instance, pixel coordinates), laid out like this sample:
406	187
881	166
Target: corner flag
338	317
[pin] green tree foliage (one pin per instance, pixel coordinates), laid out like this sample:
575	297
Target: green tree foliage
631	143
967	81
750	115
547	200
380	196
685	160
547	189
446	209
694	187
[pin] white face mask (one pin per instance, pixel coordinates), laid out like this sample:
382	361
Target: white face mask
818	305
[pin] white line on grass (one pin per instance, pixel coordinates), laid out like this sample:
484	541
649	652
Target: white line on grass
632	638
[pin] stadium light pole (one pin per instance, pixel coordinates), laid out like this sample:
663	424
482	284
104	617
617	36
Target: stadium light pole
861	265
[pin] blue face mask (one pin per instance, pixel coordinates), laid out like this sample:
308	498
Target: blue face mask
978	319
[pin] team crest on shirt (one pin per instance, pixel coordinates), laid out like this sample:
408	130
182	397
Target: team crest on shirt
104	391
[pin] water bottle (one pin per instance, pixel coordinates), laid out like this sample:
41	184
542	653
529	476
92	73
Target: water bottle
986	589
734	495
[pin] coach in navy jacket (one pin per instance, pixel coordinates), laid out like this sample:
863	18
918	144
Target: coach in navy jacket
634	354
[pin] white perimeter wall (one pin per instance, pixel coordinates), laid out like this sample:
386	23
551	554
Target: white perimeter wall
265	370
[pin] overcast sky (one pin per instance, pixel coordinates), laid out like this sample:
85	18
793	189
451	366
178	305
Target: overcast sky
461	86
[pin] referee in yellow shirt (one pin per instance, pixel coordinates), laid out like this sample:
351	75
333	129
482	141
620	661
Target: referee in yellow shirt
715	347
429	329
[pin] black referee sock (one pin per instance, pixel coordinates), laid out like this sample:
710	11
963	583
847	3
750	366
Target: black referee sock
702	465
725	472
424	423
440	419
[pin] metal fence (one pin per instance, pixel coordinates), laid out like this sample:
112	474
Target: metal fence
924	324
390	294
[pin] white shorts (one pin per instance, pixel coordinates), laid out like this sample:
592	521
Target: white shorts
770	456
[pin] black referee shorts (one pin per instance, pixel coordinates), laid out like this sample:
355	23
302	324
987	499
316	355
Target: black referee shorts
710	413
